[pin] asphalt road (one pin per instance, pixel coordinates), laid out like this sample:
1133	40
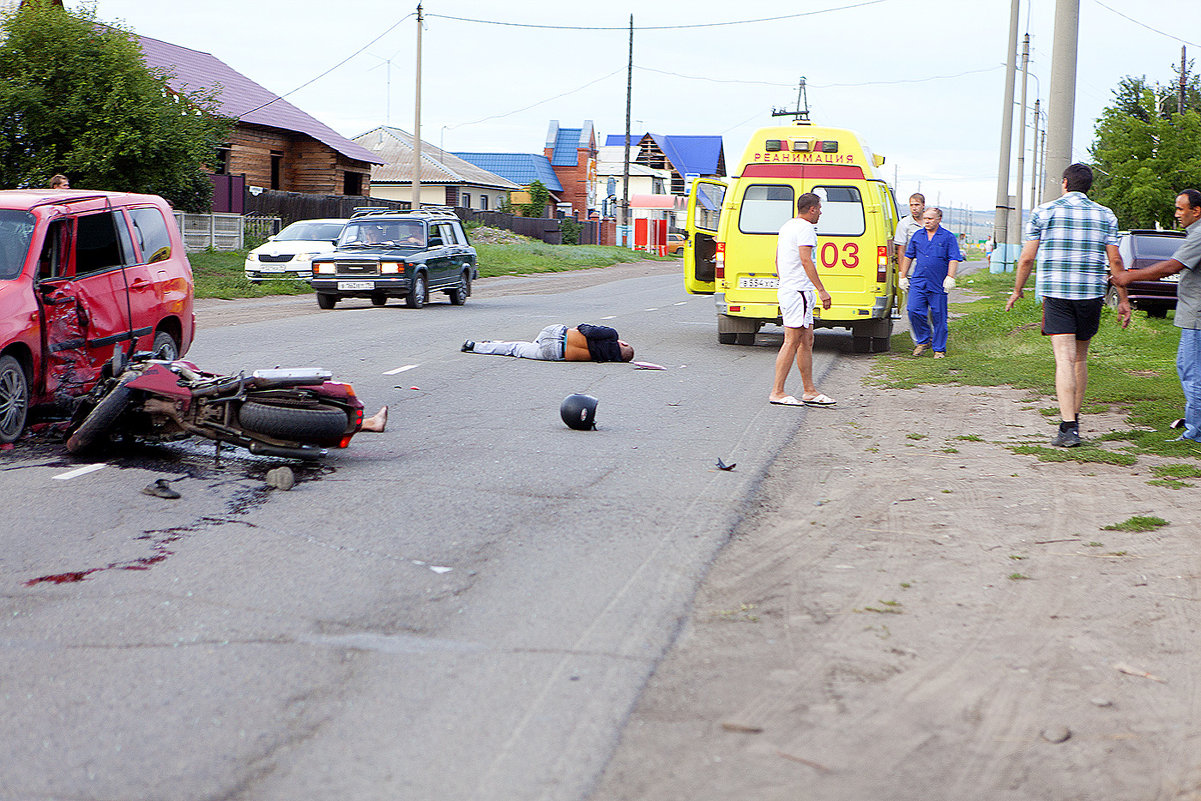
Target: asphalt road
463	607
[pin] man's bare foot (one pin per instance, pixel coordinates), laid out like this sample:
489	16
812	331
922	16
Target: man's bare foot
376	422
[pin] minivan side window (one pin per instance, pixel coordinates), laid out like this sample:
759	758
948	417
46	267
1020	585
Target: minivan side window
765	209
16	234
97	246
448	233
842	211
151	232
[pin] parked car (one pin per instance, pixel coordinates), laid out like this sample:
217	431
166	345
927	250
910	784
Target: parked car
82	275
397	254
289	254
1142	248
675	243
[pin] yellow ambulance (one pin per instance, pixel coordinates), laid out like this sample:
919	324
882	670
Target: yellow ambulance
732	225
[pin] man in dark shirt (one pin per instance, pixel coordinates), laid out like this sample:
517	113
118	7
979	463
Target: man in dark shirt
558	343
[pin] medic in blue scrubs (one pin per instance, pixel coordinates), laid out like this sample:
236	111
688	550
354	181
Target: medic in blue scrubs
934	255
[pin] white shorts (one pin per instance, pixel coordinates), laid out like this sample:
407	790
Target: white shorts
797	307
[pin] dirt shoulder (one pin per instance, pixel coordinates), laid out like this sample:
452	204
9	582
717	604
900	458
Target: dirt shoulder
909	615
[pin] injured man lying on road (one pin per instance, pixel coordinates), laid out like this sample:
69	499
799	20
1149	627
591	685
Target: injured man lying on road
558	343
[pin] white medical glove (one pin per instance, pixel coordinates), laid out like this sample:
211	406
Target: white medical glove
948	283
904	283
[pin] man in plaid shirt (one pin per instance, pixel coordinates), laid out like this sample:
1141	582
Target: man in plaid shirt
1076	241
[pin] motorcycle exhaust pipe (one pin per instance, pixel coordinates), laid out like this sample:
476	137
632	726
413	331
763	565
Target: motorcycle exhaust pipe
301	452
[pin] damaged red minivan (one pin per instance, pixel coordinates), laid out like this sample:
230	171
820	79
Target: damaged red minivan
83	274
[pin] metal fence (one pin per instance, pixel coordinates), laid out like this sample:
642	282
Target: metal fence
216	231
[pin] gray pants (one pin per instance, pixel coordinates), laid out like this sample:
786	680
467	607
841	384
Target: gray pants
548	346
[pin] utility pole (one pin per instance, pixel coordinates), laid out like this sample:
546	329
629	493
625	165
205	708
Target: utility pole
1062	96
1183	67
625	183
1002	258
416	204
1015	230
1034	158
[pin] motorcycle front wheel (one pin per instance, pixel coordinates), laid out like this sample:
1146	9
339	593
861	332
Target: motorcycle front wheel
293	423
100	420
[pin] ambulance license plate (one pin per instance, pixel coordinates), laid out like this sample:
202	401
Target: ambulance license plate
351	286
747	282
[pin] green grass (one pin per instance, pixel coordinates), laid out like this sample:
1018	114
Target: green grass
220	274
1137	523
1132	369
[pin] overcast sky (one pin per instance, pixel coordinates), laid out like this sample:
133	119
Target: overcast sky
920	81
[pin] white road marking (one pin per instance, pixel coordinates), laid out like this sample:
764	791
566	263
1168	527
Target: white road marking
80	471
650	310
610	317
681	303
401	369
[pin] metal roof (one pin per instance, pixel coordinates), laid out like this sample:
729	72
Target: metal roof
394	149
702	155
520	168
239	97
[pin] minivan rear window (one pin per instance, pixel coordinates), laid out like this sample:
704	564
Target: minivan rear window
765	208
16	232
842	211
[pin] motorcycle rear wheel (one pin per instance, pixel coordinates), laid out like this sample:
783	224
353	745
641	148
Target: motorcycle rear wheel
291	423
100	420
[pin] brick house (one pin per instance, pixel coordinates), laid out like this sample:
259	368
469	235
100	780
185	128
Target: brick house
572	154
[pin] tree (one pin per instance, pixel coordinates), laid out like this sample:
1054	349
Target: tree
539	197
1145	150
76	97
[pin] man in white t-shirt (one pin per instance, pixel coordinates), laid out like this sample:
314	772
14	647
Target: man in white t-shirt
800	290
908	226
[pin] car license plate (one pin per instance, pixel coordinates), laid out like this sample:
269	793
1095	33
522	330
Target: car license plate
747	282
270	268
351	286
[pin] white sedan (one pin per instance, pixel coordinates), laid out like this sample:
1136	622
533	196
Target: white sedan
289	254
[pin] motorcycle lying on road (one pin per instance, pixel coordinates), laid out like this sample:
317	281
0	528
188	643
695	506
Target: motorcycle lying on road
291	413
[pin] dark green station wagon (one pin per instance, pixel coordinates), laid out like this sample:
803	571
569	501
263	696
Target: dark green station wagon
397	254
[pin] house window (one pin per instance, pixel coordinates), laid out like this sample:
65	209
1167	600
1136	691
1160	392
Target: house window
484	202
466	200
277	163
352	183
657	186
221	166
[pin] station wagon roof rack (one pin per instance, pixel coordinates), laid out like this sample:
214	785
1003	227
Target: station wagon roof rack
429	211
66	201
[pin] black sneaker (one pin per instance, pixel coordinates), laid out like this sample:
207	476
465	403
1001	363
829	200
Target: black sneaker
468	346
1066	439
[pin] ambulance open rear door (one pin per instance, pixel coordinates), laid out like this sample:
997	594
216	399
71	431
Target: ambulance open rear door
700	247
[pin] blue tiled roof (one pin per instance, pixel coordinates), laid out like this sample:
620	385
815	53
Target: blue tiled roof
520	168
566	149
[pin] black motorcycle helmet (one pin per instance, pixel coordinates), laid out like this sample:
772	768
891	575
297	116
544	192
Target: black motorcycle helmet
579	411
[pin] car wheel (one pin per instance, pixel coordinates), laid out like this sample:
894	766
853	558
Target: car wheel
458	295
744	338
1157	311
416	296
325	301
165	347
726	338
14	398
379	300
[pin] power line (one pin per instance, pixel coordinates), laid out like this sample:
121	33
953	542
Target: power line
1145	25
825	85
532	105
659	27
331	69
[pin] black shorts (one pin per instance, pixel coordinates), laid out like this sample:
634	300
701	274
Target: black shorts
1079	317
